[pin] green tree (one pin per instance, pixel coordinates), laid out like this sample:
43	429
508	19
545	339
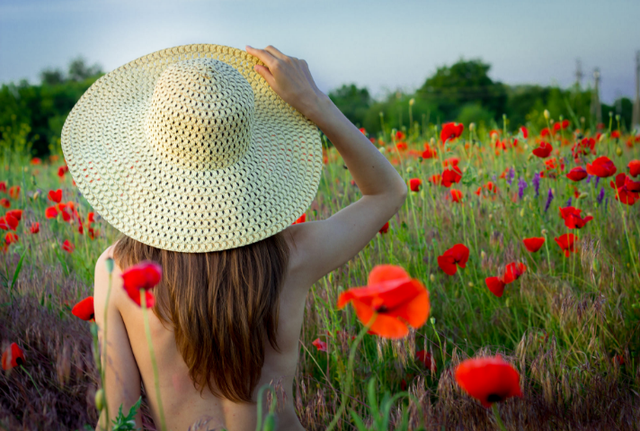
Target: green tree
353	102
451	87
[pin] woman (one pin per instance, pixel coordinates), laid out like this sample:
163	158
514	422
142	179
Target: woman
146	148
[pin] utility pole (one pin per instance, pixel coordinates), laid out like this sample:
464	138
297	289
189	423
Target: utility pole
596	111
635	119
578	73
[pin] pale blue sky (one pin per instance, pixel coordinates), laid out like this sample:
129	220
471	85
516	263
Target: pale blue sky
383	45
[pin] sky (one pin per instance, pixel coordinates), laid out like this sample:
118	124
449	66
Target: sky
381	45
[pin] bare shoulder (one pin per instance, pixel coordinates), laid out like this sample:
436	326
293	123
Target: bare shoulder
101	279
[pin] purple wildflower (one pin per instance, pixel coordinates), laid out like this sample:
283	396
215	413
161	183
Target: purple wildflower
597	181
601	196
568	203
522	184
588	179
511	175
549	199
536	183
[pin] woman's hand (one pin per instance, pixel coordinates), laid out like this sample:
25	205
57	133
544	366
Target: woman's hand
290	79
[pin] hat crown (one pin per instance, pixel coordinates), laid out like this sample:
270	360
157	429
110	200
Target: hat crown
200	115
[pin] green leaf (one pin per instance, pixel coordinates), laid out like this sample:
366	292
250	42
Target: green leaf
128	422
16	273
469	176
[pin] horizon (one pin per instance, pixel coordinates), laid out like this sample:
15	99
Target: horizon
377	50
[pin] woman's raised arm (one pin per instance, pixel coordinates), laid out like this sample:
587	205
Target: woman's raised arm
324	245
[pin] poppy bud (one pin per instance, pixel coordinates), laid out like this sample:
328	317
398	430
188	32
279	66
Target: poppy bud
412	101
35	195
99	399
618	151
544	232
522	212
269	422
602	137
472	127
583	195
483	255
546	114
432	278
432	141
470	284
109	263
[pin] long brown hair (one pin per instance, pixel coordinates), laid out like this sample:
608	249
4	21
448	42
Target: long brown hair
222	306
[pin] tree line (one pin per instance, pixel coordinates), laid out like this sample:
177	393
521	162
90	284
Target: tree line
463	92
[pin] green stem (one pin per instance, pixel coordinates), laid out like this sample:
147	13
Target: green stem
156	382
104	344
347	385
496	413
31	377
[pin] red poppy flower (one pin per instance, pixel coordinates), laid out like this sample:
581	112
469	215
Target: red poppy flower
36	161
55	196
51	212
533	244
429	153
567	243
525	132
615	134
451	131
401	146
627	190
400	135
84	309
91	217
426	359
451	176
451	161
572	218
488	380
513	271
92	233
415	184
577	174
398	300
436	179
634	168
301	219
15	213
363	131
11	238
601	167
68	246
384	228
320	345
64	210
62	170
5	202
584	147
14	192
543	151
456	195
12	357
456	255
3	186
35	227
9	222
142	276
544	132
495	285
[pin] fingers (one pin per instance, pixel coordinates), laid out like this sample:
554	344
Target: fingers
265	73
265	56
275	52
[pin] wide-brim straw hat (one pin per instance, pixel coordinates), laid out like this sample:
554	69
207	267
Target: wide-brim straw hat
189	149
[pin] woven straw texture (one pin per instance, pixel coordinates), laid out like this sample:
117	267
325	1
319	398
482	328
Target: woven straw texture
189	149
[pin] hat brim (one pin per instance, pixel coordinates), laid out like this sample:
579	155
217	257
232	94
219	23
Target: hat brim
177	209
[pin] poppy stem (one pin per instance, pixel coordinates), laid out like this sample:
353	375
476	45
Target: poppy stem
147	330
496	413
349	376
31	377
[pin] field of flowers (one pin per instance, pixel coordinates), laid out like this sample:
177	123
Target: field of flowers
528	243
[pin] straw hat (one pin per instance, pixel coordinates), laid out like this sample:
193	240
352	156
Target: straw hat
189	149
